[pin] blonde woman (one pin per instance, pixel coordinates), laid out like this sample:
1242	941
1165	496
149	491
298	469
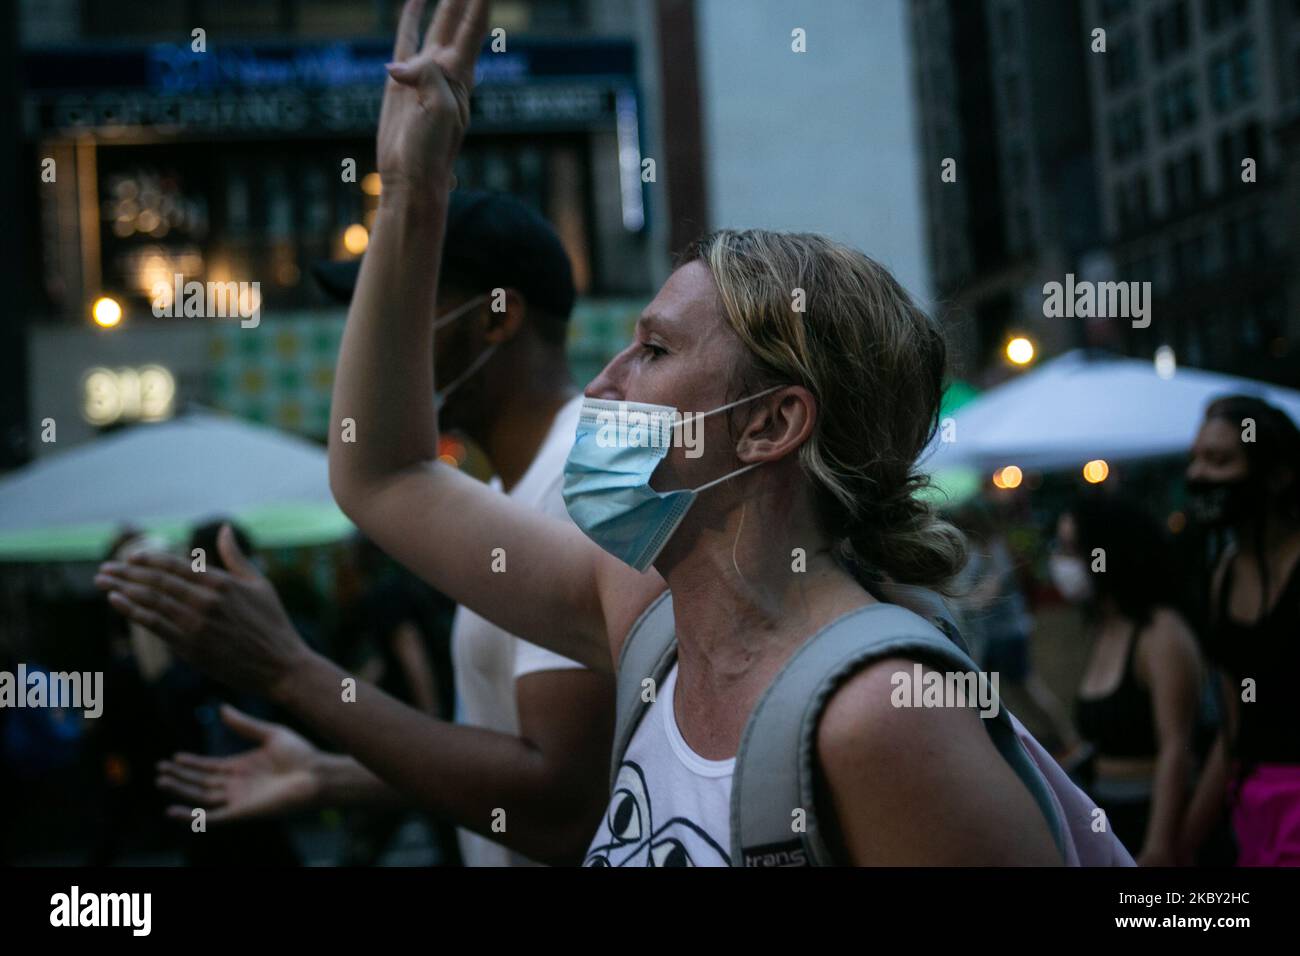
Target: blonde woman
819	418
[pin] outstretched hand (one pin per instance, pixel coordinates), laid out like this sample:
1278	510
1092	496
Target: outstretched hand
229	624
426	100
275	777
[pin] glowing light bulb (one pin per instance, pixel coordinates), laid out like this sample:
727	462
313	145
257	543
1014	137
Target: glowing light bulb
106	312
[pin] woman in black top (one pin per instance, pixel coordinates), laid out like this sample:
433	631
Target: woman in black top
1244	480
1137	701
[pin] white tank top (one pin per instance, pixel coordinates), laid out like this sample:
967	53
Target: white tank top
670	806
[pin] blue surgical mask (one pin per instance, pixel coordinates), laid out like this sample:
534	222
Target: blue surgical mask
607	477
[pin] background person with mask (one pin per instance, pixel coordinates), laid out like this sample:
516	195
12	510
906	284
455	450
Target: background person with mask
1244	481
1136	705
548	720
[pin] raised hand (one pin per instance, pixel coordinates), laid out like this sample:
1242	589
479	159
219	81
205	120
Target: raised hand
275	777
426	99
230	624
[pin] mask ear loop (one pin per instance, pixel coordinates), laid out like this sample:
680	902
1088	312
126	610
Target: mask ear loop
733	474
442	393
697	416
681	419
457	312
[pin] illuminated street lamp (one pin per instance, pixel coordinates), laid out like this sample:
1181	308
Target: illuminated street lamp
355	239
106	312
1008	477
1020	351
1095	471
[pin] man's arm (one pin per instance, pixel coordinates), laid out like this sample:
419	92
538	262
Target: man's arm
500	786
566	717
343	781
565	734
285	774
282	773
446	527
923	786
231	624
566	728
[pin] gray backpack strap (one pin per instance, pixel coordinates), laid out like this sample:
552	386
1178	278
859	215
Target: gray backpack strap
648	651
774	775
923	602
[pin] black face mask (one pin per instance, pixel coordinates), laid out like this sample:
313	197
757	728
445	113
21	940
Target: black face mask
1218	504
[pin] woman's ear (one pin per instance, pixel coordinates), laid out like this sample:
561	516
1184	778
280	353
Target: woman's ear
788	422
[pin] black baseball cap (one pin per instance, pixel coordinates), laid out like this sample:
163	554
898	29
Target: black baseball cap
492	241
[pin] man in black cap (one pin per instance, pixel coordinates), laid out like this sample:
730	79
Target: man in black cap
506	285
504	298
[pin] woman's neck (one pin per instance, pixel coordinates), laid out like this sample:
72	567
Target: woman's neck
747	593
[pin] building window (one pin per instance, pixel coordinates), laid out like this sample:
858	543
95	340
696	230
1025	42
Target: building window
1232	77
1126	134
1243	71
1122	62
1223	13
1123	212
1176	103
1183	182
1170	31
1133	203
1234	146
1142	194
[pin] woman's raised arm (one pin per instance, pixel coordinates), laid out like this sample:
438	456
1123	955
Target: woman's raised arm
534	576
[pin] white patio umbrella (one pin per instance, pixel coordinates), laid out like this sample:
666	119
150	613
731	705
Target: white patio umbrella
1082	406
165	478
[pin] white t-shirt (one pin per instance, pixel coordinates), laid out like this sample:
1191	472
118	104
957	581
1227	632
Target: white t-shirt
670	806
487	660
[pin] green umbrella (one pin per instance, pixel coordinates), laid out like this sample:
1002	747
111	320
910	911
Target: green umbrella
955	396
952	486
165	478
288	525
